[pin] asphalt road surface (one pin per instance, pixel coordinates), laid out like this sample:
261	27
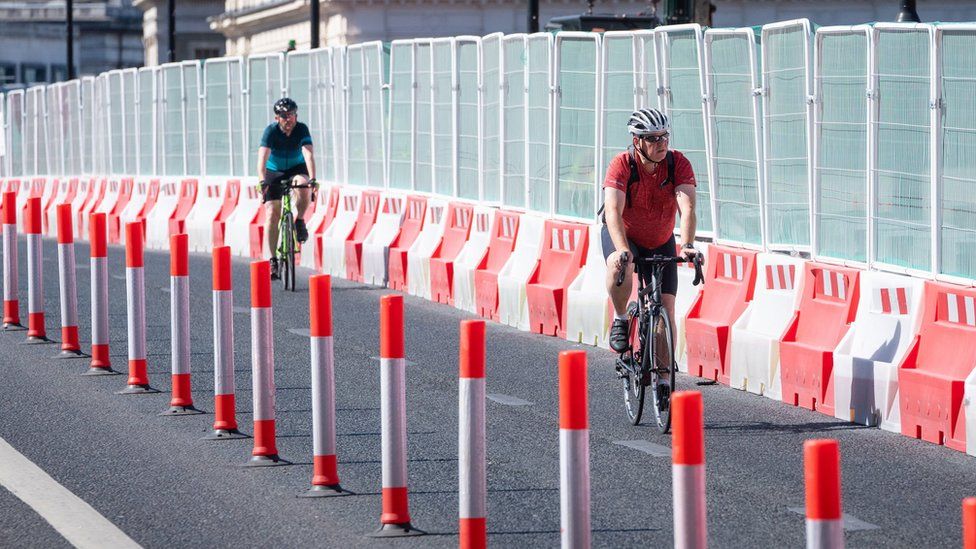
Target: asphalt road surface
156	480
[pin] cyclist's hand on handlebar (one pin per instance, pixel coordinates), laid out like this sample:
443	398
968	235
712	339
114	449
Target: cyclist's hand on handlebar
622	262
699	277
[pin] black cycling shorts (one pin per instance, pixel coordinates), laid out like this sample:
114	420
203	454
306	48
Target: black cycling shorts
670	283
274	187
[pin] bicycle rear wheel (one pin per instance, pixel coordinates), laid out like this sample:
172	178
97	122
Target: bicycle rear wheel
662	359
286	261
632	367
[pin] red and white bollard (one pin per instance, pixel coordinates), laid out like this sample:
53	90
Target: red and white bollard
821	472
98	237
11	303
969	523
574	451
181	403
67	284
395	519
135	298
36	331
688	470
225	407
265	453
473	484
325	474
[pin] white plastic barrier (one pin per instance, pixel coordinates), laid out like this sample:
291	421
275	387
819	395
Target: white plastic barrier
687	293
105	205
64	188
866	360
49	192
470	257
587	314
98	194
513	309
129	214
418	256
25	191
237	230
334	237
313	222
754	361
376	246
199	222
157	222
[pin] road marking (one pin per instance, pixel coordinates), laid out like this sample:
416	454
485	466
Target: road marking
851	523
80	524
165	289
508	400
646	446
304	332
242	311
118	277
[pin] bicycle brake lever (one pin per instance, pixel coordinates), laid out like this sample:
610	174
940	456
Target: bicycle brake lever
699	277
622	267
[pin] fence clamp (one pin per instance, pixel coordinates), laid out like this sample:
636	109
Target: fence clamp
872	94
758	92
811	99
938	104
663	90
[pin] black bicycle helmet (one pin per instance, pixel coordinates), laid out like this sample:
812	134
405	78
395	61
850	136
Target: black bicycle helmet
285	105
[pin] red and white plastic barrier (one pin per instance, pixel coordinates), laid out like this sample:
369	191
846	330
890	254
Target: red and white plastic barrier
181	403
11	303
135	298
101	364
68	285
574	450
265	452
36	331
472	480
325	475
395	520
225	413
821	472
688	470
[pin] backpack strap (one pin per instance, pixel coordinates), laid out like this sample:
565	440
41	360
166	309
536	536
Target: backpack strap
634	173
670	160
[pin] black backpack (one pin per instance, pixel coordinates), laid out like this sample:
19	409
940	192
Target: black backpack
635	177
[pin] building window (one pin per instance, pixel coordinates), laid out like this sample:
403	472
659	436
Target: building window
59	73
8	73
31	74
206	53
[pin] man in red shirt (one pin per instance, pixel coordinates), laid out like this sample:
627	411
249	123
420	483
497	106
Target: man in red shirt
639	214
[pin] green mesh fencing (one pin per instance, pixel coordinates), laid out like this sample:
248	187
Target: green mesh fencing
903	199
299	81
491	171
129	119
958	205
264	83
217	115
785	117
15	132
101	130
443	105
401	115
87	115
620	81
115	111
30	133
732	74
576	142
374	66
52	128
145	113
680	62
424	161
468	111
338	63
40	129
538	107
192	112
356	117
325	148
842	136
647	69
70	97
173	130
513	125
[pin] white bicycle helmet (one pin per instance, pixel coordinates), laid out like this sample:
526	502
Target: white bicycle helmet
647	121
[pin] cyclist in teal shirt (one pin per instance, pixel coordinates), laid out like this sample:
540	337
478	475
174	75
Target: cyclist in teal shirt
285	154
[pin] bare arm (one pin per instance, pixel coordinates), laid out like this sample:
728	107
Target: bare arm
686	208
309	156
263	154
613	210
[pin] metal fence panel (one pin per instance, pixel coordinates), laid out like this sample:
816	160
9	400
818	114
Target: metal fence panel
444	119
538	137
577	118
491	144
621	95
402	108
514	120
424	118
468	140
264	86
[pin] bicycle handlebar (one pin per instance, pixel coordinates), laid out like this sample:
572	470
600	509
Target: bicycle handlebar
658	260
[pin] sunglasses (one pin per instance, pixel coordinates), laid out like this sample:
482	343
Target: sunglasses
288	115
656	138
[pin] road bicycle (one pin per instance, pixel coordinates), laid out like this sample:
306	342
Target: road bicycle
643	364
288	245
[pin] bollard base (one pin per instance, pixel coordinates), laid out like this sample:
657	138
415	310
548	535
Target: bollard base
37	340
11	327
70	353
325	492
266	461
101	372
395	531
137	390
181	411
225	434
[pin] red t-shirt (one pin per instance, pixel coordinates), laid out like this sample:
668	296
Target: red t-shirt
649	218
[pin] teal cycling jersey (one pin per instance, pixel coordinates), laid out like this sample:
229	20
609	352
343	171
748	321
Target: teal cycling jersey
286	150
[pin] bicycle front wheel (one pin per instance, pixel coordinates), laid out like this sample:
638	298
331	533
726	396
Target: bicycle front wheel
664	370
631	367
286	261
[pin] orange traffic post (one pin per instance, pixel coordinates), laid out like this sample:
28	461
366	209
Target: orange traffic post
181	403
473	484
135	299
821	472
574	451
688	470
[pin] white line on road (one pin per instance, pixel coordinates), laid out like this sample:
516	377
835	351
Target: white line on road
70	516
508	400
304	332
647	447
851	523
